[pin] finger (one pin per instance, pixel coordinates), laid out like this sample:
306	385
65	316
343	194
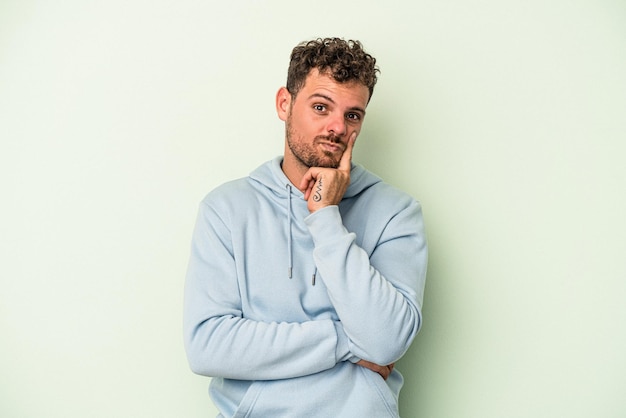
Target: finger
307	179
346	158
308	190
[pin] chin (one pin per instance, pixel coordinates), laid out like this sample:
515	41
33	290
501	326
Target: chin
329	160
328	163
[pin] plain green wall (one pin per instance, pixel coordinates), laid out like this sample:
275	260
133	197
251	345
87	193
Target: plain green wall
506	119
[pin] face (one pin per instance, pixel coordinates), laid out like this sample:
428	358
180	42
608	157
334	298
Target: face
320	119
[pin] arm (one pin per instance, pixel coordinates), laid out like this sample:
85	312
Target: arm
377	297
220	342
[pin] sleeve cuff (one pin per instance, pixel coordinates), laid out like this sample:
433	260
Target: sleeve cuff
342	351
324	224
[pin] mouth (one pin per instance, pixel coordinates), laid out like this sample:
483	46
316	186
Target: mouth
333	147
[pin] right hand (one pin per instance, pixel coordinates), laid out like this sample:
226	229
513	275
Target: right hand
323	186
383	371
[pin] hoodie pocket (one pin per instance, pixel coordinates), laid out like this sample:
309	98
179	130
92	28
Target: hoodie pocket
382	389
249	399
346	391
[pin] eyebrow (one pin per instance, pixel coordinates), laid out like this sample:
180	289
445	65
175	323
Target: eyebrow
323	96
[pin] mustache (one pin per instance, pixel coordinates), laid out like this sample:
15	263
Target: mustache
336	139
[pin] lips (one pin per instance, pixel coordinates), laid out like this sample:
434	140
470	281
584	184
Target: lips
331	146
327	146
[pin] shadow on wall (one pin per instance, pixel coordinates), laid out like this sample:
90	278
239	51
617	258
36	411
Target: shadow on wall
373	149
415	362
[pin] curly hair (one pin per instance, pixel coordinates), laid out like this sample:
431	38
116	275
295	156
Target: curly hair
345	61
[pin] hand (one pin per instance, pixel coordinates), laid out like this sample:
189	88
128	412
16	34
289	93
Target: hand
383	371
326	186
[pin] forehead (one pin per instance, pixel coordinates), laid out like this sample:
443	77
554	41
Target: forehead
352	93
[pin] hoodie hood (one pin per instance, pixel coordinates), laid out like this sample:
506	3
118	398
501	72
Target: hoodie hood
271	176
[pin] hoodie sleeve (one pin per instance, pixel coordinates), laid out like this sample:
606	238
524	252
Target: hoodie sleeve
378	295
221	343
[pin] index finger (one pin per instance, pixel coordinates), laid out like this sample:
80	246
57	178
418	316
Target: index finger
346	158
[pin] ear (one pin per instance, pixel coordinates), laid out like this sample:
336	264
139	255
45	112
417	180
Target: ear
283	103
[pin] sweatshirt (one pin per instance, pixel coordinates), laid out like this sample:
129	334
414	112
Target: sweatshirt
280	303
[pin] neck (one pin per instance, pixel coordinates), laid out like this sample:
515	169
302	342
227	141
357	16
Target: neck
293	168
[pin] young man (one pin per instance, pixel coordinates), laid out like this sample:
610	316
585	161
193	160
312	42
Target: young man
306	278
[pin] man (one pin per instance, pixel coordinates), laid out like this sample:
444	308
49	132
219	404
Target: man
306	278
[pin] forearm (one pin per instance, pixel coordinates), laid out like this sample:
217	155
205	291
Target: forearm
380	321
377	297
237	348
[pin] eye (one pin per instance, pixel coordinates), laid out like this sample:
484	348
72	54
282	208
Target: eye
354	117
319	108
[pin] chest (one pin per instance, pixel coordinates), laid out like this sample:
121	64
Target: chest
268	245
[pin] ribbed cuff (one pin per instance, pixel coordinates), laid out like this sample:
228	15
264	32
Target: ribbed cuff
342	351
324	224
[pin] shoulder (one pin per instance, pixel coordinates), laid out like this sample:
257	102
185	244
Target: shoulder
238	189
386	201
366	183
229	193
379	193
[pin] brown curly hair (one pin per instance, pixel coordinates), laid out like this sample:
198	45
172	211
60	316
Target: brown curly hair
344	60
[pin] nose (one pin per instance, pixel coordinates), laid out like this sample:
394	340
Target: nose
336	125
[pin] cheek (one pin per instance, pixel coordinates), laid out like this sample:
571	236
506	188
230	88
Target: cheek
304	129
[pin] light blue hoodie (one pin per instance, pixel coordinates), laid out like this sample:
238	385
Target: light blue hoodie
280	303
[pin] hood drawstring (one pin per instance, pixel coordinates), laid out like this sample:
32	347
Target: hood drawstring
289	250
271	179
289	244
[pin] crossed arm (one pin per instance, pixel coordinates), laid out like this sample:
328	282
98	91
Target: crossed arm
323	187
220	341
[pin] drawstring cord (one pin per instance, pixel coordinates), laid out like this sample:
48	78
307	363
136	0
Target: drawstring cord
289	248
289	251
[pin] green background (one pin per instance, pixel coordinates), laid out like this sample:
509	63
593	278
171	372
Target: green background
506	119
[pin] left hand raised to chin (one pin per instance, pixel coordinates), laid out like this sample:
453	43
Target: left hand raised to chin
326	186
